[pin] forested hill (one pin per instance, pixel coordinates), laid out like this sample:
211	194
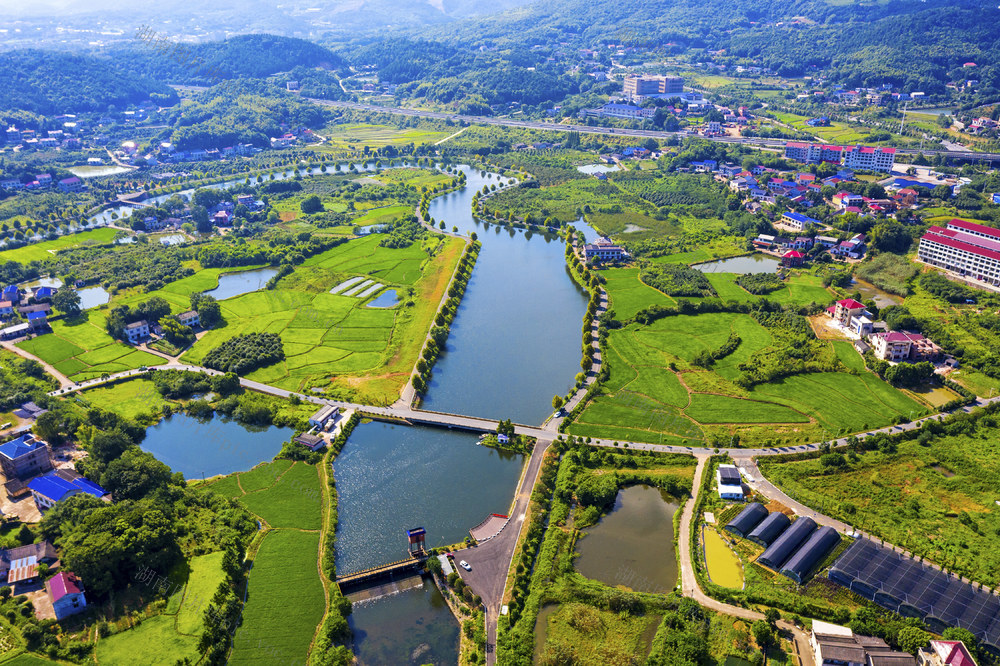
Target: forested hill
253	56
53	82
913	44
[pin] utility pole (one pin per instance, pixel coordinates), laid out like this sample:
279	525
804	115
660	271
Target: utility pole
903	119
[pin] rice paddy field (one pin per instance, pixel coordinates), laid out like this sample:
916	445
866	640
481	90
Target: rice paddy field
937	501
46	249
656	394
333	341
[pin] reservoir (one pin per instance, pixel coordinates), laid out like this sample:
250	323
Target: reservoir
752	263
200	448
634	544
243	282
515	341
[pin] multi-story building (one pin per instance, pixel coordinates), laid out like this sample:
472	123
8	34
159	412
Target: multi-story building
869	158
797	221
604	250
25	456
137	331
903	346
813	153
843	311
968	249
650	86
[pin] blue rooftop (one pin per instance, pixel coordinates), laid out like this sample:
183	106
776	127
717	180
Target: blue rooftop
16	448
43	292
12	289
799	217
56	488
32	316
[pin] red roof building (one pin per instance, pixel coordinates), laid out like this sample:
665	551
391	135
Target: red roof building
965	248
947	653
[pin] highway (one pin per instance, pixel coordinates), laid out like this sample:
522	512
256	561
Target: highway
636	133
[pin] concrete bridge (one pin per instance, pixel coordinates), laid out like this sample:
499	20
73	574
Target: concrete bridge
407	566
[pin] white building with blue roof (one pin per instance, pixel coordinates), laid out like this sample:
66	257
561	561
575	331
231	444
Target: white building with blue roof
54	487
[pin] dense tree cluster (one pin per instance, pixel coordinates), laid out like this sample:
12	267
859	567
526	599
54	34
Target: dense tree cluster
676	280
244	353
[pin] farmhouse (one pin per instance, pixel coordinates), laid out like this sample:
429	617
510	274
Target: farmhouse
797	221
43	553
56	486
25	456
66	592
792	258
325	417
16	331
604	250
843	311
834	645
189	318
946	653
137	331
904	346
730	485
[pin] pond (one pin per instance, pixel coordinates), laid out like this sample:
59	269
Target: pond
634	544
242	282
723	566
96	171
591	169
201	448
883	299
92	297
387	299
751	263
53	282
414	626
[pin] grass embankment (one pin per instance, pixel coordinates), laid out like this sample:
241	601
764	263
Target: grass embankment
173	635
285	599
935	499
334	341
47	249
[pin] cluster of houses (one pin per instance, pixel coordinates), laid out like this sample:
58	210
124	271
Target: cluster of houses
792	250
693	102
221	215
42	181
604	250
32	304
852	317
28	139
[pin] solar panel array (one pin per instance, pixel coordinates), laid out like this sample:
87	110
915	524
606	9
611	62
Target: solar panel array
915	589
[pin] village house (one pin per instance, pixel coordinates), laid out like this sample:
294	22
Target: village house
604	250
792	259
189	318
797	221
66	592
52	488
137	331
42	552
727	477
899	346
843	311
834	645
310	441
23	457
945	653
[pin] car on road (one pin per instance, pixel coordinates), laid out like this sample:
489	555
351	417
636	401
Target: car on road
465	565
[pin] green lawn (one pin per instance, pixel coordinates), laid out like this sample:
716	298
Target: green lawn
46	249
285	601
334	340
81	349
293	500
129	398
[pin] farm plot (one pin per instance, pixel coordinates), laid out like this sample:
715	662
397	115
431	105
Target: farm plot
47	249
330	339
292	501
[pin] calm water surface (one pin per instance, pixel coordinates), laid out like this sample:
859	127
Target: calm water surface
387	299
754	263
634	544
243	282
200	448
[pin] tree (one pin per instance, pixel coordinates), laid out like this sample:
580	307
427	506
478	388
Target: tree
134	475
24	535
199	215
762	634
772	615
311	204
67	301
911	639
557	401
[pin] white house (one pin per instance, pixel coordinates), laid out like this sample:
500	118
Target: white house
137	331
730	485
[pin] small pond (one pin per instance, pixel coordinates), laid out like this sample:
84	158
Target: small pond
634	544
98	170
53	282
597	168
200	448
723	566
387	299
172	239
883	299
92	297
751	263
243	282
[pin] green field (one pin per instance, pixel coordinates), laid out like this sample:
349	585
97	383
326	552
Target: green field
285	601
129	398
167	638
81	349
46	249
293	500
334	341
356	135
837	132
937	501
645	400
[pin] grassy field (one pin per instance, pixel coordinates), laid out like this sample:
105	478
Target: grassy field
172	636
293	500
130	398
46	249
334	341
595	636
837	132
656	394
937	501
349	136
81	349
285	601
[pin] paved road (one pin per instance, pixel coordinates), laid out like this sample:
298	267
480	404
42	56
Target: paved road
63	379
689	582
587	129
490	561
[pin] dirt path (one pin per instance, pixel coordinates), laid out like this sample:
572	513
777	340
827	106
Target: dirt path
64	381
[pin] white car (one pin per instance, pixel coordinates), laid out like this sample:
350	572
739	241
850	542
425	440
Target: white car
465	565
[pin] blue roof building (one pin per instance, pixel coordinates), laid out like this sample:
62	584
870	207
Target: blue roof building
44	292
62	484
11	293
24	456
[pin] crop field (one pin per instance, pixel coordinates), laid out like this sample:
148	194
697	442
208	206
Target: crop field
172	636
628	295
348	136
937	501
293	500
656	394
837	132
81	349
383	215
334	341
285	601
129	398
46	249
